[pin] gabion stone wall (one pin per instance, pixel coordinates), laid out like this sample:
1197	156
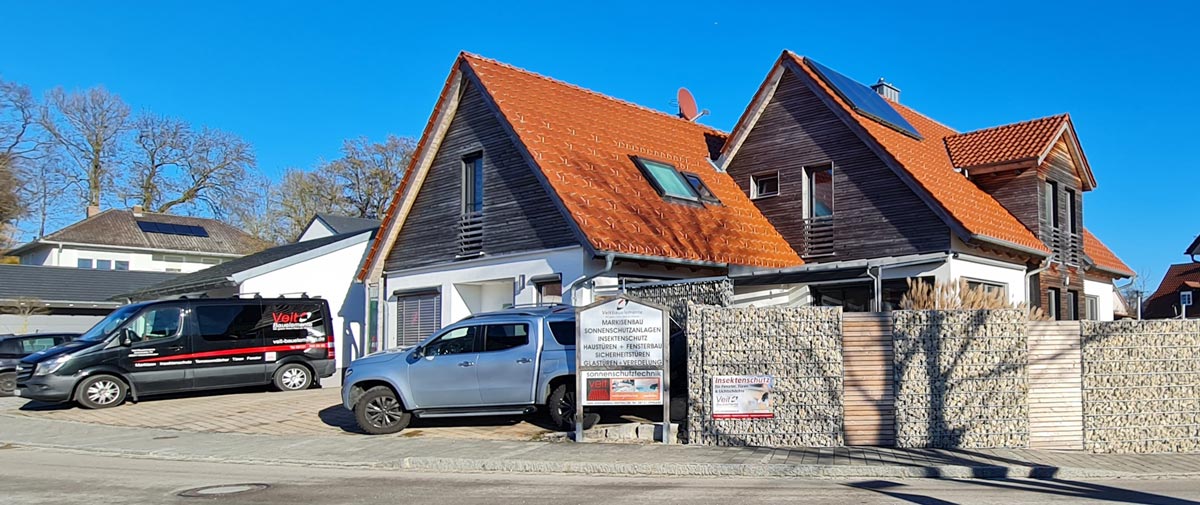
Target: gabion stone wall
961	378
800	347
678	294
1141	386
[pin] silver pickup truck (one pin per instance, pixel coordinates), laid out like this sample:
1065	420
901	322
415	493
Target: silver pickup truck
511	362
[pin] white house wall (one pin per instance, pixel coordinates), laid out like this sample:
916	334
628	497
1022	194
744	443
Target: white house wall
478	284
144	261
1103	291
329	276
969	267
14	323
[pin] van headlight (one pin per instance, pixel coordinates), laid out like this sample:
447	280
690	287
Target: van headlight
51	366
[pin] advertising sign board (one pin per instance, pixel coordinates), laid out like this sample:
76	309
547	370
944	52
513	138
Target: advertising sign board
621	356
742	397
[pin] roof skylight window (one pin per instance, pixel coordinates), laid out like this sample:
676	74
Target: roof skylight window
667	180
701	189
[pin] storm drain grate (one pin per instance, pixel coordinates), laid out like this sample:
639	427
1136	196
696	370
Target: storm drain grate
222	490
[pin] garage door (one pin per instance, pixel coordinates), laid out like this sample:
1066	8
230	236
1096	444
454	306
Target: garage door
418	316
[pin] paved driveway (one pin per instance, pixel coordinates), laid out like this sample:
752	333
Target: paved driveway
256	411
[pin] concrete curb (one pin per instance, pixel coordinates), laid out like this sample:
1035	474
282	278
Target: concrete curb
434	464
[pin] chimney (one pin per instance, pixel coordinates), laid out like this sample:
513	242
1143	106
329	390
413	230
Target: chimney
887	90
93	210
137	210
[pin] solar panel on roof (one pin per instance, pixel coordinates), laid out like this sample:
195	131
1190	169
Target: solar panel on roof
864	100
172	229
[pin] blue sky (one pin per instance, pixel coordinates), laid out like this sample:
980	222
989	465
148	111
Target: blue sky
295	78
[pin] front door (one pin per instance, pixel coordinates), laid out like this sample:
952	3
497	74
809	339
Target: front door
157	360
228	344
445	376
507	365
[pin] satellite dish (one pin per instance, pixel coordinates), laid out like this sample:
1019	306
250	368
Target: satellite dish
687	105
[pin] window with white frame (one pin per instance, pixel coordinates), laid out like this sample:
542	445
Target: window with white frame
988	287
818	191
1091	308
764	185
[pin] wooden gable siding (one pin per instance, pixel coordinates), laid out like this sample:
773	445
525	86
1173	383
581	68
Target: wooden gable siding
518	214
875	213
1018	191
1060	168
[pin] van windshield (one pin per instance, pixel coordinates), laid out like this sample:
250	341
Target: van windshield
106	326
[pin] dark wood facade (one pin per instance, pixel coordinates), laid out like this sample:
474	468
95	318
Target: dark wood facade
1023	191
518	213
875	213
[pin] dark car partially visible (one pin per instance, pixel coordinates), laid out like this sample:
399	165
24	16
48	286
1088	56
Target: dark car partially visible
15	347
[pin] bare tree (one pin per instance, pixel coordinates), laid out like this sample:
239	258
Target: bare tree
297	198
176	167
368	173
21	143
87	127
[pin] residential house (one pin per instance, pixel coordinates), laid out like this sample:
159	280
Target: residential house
322	267
120	239
325	224
1175	294
524	189
872	193
37	299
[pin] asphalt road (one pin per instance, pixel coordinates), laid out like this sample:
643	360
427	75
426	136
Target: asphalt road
30	476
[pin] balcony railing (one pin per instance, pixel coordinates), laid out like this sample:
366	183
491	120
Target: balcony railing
470	234
818	237
1067	246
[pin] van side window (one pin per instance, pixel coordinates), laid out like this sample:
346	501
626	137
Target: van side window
499	337
156	324
228	322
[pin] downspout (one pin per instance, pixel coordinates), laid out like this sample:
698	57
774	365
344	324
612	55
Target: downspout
608	264
1029	275
877	288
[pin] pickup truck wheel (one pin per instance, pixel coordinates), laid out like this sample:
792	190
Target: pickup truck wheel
379	412
561	405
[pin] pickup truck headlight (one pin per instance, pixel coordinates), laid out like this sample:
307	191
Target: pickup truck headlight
51	366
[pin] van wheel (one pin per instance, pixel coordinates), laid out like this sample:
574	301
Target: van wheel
561	405
293	377
8	383
379	412
100	392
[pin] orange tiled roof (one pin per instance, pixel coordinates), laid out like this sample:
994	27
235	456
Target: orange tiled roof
1003	144
1102	255
1165	300
582	141
929	164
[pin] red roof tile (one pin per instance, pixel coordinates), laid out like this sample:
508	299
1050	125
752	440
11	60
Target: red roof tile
583	142
1103	256
1164	302
929	165
1004	144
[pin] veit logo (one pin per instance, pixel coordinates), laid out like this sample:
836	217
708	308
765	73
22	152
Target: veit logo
290	318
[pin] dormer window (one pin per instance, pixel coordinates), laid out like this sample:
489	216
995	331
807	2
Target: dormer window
667	180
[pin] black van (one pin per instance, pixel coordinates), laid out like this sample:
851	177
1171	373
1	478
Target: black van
185	345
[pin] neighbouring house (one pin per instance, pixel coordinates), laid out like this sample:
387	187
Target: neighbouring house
120	239
38	299
1175	294
322	267
325	224
524	189
871	193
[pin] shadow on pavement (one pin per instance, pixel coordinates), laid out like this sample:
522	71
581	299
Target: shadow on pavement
1064	488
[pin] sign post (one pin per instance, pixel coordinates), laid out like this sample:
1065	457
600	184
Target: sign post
622	357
